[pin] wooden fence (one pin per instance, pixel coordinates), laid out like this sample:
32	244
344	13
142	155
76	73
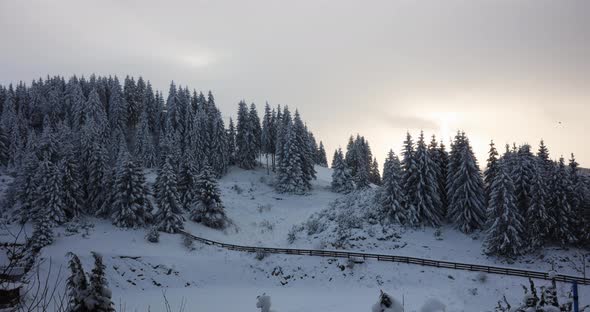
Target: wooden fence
401	259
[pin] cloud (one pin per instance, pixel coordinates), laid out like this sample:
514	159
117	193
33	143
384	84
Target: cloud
409	122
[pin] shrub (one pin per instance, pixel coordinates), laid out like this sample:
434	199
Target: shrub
153	236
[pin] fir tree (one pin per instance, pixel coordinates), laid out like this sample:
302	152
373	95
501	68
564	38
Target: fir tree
491	169
305	154
77	285
169	215
560	205
391	197
424	196
145	150
187	184
231	142
443	160
290	171
208	209
505	234
99	295
42	233
4	147
341	177
408	181
266	139
131	206
246	146
50	196
465	187
522	173
255	128
374	175
538	221
321	156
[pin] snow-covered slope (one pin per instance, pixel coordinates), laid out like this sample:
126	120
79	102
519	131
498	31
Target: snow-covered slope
212	279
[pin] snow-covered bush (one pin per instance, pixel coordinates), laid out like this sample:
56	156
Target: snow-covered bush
188	242
387	303
237	189
263	303
433	305
264	208
266	226
153	235
292	235
260	255
482	277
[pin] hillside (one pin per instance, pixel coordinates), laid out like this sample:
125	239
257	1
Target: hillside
139	272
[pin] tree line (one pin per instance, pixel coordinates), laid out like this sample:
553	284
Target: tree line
521	201
80	147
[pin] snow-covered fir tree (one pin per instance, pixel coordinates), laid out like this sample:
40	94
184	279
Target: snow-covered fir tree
208	208
321	155
491	169
77	285
4	147
42	231
341	177
443	165
408	180
49	199
145	150
99	294
290	177
522	174
131	206
231	143
538	221
374	175
169	216
306	155
505	234
266	137
465	189
424	191
255	128
187	183
391	197
246	145
576	196
561	209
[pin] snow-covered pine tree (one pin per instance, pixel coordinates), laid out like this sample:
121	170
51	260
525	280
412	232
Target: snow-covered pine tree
305	154
290	169
50	193
538	221
231	142
266	139
341	177
246	148
99	294
4	147
118	115
187	183
374	175
131	206
169	216
208	208
321	156
145	150
351	155
218	146
443	161
425	196
391	196
576	197
465	192
505	229
408	180
522	174
42	231
491	169
255	128
25	187
77	285
560	205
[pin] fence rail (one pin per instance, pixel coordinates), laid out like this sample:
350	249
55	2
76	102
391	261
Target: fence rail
401	259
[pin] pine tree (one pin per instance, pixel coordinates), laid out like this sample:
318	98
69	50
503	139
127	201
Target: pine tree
145	150
505	234
99	297
491	169
266	139
576	196
42	233
522	173
425	194
391	197
50	192
256	129
538	221
131	206
187	184
246	148
408	181
560	205
465	187
374	175
305	154
95	158
77	285
231	142
208	209
4	147
218	158
290	172
169	215
321	156
341	177
443	160
72	188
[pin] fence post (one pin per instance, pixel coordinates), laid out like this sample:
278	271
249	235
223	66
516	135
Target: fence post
575	291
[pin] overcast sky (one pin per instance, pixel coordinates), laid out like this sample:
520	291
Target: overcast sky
512	71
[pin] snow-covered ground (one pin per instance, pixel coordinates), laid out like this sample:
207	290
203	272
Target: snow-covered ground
211	279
